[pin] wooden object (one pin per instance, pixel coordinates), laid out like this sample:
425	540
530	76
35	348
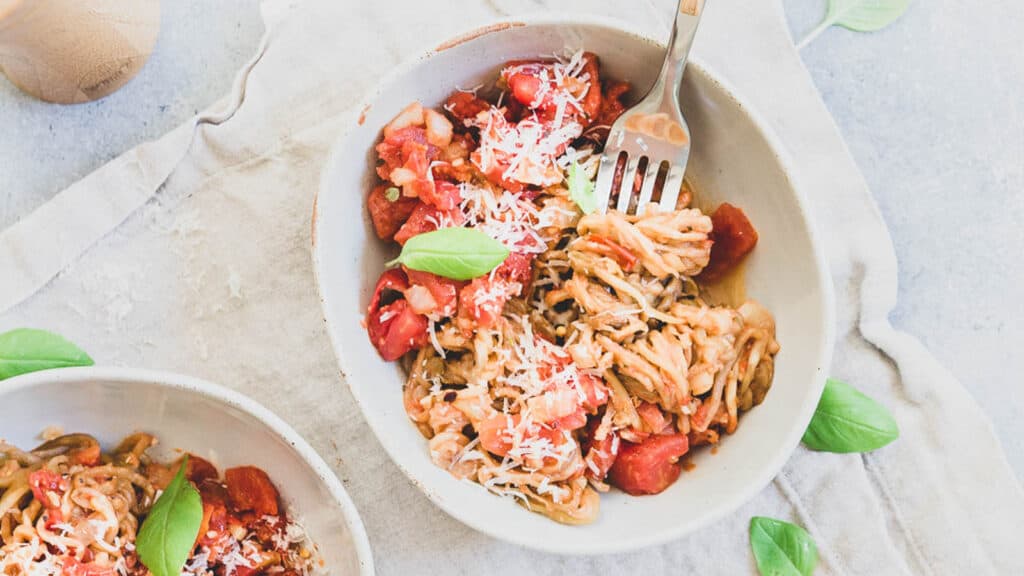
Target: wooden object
72	51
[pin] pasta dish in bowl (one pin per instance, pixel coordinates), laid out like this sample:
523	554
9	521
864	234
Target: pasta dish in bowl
589	355
121	472
619	379
68	508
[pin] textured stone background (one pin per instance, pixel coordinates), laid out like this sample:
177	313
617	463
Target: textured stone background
931	109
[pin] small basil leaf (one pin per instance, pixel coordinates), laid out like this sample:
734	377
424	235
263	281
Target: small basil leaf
858	15
581	189
169	533
27	350
781	548
848	421
865	15
456	253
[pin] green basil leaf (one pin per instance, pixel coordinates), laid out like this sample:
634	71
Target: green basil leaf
456	253
865	15
848	421
392	194
581	189
169	533
858	15
781	548
28	350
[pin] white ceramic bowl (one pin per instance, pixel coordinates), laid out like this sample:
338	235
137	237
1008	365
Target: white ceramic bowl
188	414
735	158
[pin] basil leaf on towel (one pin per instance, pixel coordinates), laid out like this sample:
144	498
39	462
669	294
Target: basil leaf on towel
27	350
169	533
781	548
456	253
858	15
581	189
848	421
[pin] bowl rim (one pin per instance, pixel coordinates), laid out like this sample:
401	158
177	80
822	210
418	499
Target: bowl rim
785	449
222	395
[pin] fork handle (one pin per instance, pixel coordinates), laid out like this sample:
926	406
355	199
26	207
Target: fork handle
688	17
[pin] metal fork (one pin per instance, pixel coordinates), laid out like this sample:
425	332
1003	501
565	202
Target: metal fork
653	129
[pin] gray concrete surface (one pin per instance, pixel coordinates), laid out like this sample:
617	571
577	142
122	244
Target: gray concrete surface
931	109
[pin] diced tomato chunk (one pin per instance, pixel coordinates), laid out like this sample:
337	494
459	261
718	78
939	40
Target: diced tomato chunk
390	282
48	487
441	194
526	81
198	469
652	416
495	433
525	88
249	488
733	236
482	300
517	267
595	391
465	105
574	421
393	151
70	566
600	455
443	291
649	467
388	216
394	328
612	105
425	218
593	98
495	173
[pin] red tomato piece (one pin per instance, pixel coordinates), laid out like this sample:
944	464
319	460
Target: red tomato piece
440	194
48	487
392	150
652	416
483	299
612	105
249	488
595	391
524	88
518	267
199	470
465	105
388	216
593	98
495	433
733	236
444	291
397	329
600	454
72	567
574	421
496	174
649	467
390	282
425	218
